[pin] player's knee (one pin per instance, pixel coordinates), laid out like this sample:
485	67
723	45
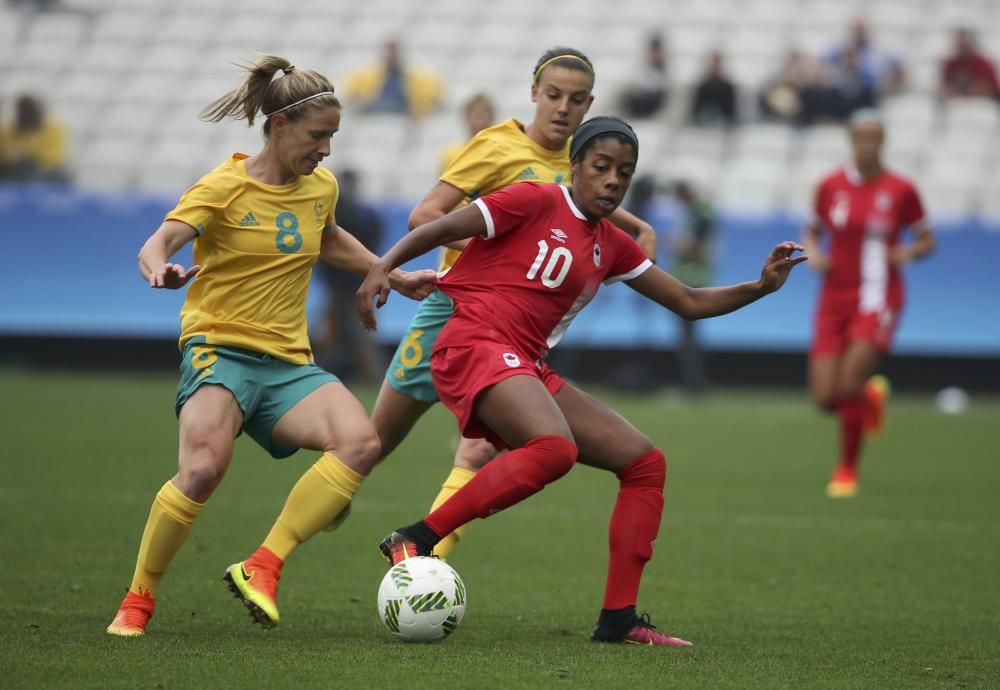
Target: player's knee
473	454
201	472
648	470
360	451
559	454
826	400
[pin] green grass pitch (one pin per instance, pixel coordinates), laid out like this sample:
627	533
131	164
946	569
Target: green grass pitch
778	586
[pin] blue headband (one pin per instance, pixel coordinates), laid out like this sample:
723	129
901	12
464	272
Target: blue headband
597	126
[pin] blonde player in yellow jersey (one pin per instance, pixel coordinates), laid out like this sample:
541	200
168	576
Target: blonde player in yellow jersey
258	223
499	156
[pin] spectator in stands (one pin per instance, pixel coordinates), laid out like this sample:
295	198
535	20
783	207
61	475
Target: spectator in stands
846	90
880	72
692	249
479	113
648	93
791	96
714	102
33	146
968	73
341	344
394	87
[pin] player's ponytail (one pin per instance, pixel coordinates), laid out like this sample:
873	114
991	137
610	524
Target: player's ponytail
291	93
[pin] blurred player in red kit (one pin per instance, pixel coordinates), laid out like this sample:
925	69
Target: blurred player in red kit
863	208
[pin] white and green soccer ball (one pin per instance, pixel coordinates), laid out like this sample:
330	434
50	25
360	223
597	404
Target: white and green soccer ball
421	600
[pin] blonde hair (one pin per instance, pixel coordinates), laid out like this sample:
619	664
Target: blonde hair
292	93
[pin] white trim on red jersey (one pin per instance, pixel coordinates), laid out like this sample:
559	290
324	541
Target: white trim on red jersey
634	273
491	230
572	206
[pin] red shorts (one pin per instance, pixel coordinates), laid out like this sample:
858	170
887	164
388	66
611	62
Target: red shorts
835	327
463	370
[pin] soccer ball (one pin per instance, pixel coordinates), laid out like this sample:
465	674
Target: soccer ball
421	599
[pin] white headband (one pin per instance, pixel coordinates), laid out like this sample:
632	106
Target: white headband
292	105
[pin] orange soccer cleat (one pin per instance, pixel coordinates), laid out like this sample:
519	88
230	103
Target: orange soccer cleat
255	583
397	547
876	394
133	615
843	484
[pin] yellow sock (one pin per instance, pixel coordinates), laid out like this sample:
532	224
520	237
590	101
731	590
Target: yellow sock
169	523
458	478
322	493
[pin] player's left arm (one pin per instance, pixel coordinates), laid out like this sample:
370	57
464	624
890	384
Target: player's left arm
912	214
699	303
345	251
641	231
923	243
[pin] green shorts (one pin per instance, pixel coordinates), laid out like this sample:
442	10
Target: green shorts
265	387
410	370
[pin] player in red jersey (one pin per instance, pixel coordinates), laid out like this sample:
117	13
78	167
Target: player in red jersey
864	209
539	254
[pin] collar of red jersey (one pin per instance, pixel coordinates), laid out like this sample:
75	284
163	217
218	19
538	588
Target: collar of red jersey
572	206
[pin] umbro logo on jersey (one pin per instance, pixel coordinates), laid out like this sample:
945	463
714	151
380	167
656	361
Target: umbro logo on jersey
511	360
597	255
558	235
528	174
249	221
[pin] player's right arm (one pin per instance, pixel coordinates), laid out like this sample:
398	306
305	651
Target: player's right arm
439	202
471	171
464	224
154	257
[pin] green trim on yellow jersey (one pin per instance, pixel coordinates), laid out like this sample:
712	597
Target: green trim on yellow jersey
256	245
498	157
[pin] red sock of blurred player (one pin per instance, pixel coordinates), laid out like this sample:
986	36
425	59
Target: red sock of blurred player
852	413
507	480
635	523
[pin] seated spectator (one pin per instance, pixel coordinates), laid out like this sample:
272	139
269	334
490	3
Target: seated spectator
33	147
479	113
881	73
393	87
968	73
714	102
789	95
647	95
844	92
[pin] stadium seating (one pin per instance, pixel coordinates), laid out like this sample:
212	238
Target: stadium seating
130	76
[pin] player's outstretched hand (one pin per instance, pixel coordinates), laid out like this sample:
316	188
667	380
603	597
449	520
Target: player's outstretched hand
375	284
172	276
413	284
779	264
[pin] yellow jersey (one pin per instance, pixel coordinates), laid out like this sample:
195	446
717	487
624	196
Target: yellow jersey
498	157
256	245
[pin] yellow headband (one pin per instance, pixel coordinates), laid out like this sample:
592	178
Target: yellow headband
562	57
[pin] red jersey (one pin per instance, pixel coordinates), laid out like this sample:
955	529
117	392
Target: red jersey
539	263
864	221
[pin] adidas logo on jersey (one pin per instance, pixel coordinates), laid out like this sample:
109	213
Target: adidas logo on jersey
558	235
528	174
249	221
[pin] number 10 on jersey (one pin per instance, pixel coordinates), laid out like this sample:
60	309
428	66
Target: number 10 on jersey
560	259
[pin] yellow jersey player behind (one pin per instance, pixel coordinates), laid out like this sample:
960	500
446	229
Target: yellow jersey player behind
497	157
258	224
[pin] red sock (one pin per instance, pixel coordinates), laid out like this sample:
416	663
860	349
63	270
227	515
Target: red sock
507	480
635	523
265	558
852	414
